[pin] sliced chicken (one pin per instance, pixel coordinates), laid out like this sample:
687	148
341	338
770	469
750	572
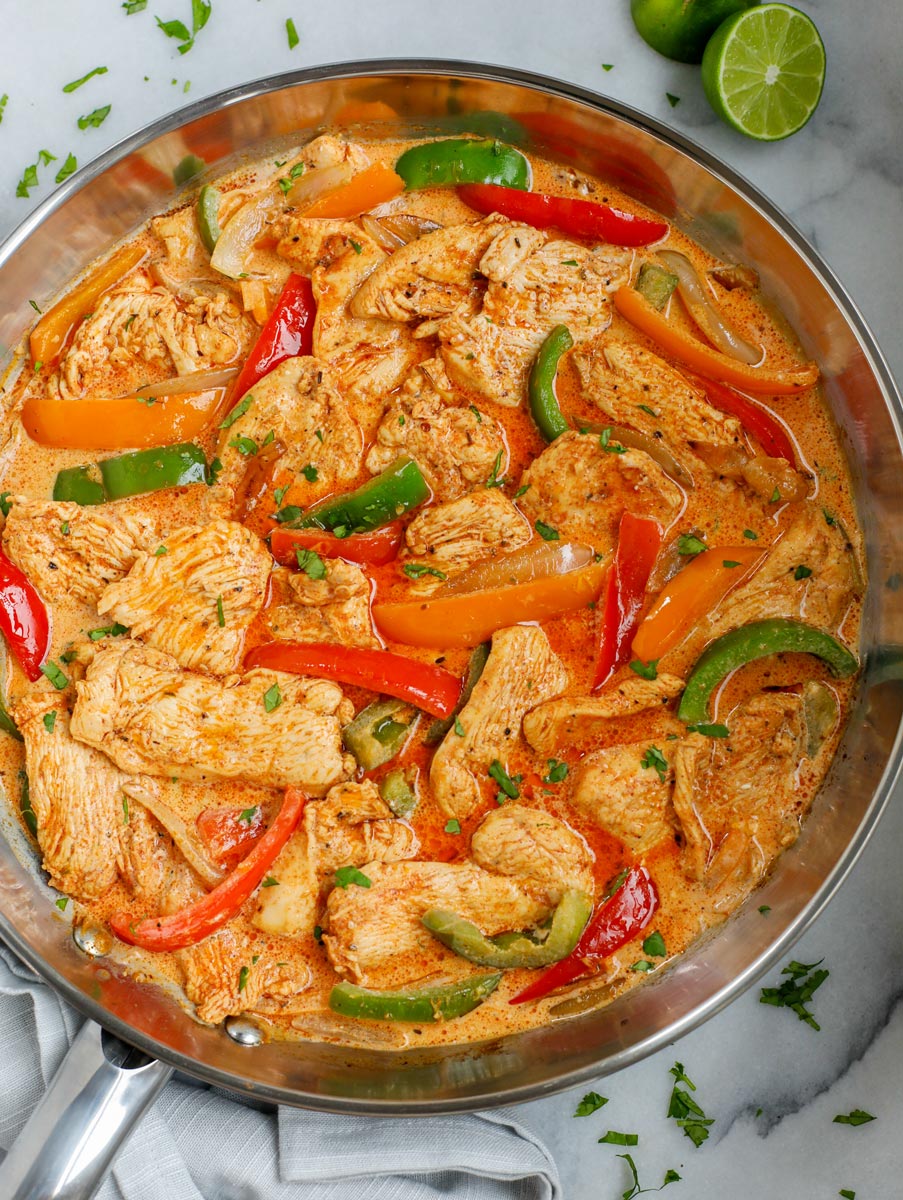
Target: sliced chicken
333	609
186	255
573	718
452	537
431	276
492	360
140	334
522	670
147	715
738	799
455	445
196	600
352	825
536	848
295	418
371	929
582	489
76	794
66	549
370	355
622	789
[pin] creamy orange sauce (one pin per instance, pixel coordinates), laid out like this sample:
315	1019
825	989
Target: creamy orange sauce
721	518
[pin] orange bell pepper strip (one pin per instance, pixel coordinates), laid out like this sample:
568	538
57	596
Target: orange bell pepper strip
126	422
635	308
47	337
468	618
690	595
192	924
363	191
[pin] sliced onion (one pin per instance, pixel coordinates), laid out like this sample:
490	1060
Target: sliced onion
383	237
184	836
408	227
311	185
713	324
533	562
197	381
241	232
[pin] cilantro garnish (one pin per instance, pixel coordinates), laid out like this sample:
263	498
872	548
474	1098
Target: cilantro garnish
689	545
243	978
95	119
418	570
654	945
557	771
56	676
802	572
453	825
220	615
69	167
116	630
310	473
796	992
504	780
49	720
458	727
857	1117
685	1110
590	1103
613	1138
200	15
310	563
238	411
272	698
346	875
672	99
654	758
608	445
76	83
494	481
707	730
291	33
244	445
546	532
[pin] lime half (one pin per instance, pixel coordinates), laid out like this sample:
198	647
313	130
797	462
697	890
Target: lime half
763	71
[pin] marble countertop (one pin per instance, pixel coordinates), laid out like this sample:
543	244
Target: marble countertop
771	1082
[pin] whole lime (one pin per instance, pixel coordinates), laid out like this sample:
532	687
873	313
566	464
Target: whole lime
679	29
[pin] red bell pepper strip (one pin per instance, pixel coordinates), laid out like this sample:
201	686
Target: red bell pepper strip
196	921
23	619
761	422
288	332
431	688
229	833
614	923
375	549
580	218
639	541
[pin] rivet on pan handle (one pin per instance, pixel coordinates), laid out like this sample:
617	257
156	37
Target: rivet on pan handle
93	1103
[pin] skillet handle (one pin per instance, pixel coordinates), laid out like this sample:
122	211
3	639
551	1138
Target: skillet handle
93	1103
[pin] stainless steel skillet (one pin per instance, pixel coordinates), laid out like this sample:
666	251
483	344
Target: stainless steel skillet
110	1078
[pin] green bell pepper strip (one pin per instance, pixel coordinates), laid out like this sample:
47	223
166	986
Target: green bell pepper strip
208	216
132	474
79	485
398	793
153	470
8	725
441	1002
451	161
656	284
543	401
439	728
374	736
382	499
519	950
750	642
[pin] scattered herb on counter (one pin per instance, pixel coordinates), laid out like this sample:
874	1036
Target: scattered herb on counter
685	1110
689	545
654	758
613	1138
857	1117
76	83
310	563
764	909
796	992
648	670
200	15
546	532
4	100
418	570
453	825
590	1103
272	698
671	1176
134	6
506	782
346	875
291	33
672	99
69	167
608	66
847	1193
93	120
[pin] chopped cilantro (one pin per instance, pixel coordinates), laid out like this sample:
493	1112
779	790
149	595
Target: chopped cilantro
49	720
247	815
61	903
613	1138
647	670
857	1117
729	562
356	246
646	409
796	992
671	1176
546	532
272	698
212	473
750	534
764	909
829	520
607	66
458	727
672	99
494	480
802	572
318	434
504	780
291	512
285	185
296	170
93	120
418	570
57	677
775	496
318	934
346	875
116	630
642	965
270	882
590	1103
125	809
310	563
310	473
76	83
569	262
243	978
279	495
220	615
238	411
67	169
522	491
4	100
557	773
291	33
134	6
453	826
608	445
5	505
685	1110
654	945
689	545
244	445
200	15
654	758
476	412
160	551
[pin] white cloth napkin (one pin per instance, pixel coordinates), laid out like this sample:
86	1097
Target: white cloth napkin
199	1144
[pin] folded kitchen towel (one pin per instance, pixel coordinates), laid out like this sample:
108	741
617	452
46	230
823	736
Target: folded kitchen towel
197	1143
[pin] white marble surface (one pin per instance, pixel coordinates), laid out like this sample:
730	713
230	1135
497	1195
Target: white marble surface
840	180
